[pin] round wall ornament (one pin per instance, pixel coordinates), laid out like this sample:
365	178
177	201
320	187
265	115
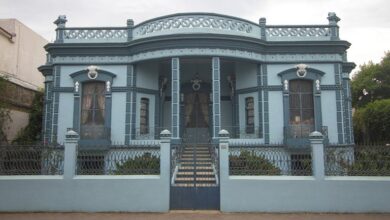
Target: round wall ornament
92	72
301	72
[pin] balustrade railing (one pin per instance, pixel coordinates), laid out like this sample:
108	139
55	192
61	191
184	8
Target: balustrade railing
298	32
95	35
196	23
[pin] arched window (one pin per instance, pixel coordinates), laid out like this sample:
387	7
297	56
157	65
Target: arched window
144	116
249	115
301	107
93	110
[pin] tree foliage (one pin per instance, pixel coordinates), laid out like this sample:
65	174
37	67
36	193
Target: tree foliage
371	83
5	117
372	122
32	132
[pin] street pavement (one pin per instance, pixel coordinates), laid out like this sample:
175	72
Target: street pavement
191	215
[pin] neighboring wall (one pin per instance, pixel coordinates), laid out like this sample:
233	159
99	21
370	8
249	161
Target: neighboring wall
21	53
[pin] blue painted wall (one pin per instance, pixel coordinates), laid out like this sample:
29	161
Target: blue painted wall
118	117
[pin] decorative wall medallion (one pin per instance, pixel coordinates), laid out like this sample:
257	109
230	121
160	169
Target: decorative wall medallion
301	72
76	86
196	83
92	72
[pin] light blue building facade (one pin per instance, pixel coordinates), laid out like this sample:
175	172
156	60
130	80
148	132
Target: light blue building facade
263	83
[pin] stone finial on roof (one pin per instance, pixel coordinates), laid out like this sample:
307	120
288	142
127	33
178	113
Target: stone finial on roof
61	21
332	18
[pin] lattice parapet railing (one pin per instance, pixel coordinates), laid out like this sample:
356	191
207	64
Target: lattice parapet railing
301	32
196	24
95	35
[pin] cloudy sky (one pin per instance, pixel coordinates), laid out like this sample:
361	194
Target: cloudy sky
364	23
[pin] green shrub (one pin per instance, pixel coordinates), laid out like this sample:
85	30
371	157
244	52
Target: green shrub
247	163
145	164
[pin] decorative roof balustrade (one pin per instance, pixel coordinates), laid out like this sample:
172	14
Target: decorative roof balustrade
296	33
95	35
198	23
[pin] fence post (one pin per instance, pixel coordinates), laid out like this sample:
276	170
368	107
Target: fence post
223	155
318	162
70	155
165	154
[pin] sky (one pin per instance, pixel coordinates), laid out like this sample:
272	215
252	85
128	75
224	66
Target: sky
364	23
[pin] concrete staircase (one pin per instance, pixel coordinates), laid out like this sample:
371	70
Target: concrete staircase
195	168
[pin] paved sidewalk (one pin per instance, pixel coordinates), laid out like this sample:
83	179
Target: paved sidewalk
192	215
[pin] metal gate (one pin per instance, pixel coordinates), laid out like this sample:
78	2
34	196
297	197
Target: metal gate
194	163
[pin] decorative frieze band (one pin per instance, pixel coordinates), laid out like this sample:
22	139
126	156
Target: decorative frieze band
199	52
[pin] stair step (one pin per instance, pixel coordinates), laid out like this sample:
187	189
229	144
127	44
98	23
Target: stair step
198	169
197	159
197	173
198	177
195	185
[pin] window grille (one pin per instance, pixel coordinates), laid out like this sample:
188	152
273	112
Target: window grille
93	110
249	115
144	116
301	107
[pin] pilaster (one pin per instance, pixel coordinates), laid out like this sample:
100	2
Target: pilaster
216	73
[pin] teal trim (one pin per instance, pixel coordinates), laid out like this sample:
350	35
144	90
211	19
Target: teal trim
175	66
133	102
48	111
128	103
264	80
56	97
260	100
338	105
216	74
212	41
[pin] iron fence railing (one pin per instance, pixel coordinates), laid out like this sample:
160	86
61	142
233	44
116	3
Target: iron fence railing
31	160
357	160
119	160
269	160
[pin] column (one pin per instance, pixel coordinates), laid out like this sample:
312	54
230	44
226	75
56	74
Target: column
216	96
175	98
131	97
70	154
318	162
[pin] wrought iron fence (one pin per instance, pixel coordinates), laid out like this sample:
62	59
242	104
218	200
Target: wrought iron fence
269	160
119	160
31	160
359	160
